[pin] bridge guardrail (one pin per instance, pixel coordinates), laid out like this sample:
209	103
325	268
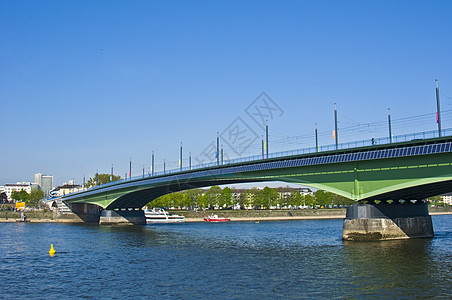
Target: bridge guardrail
342	146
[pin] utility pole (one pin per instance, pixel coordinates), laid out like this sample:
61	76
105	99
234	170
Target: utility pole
143	171
164	166
438	113
111	176
316	139
335	126
189	160
130	169
389	124
266	136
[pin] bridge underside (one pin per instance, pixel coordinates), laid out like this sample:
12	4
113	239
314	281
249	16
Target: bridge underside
408	178
412	171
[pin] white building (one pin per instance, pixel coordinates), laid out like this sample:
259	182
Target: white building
10	187
447	198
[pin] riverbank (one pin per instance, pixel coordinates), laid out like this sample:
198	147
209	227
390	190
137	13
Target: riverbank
197	216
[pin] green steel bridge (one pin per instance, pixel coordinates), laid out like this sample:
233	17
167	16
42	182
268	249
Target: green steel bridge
414	169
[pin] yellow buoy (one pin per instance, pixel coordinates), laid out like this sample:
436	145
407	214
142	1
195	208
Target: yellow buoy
51	251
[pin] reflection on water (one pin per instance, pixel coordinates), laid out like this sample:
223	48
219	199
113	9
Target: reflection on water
297	259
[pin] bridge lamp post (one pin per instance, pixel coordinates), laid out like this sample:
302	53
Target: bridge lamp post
438	114
316	139
266	136
130	169
335	126
152	165
180	159
389	124
218	149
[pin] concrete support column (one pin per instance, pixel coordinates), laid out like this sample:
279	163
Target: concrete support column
376	222
127	217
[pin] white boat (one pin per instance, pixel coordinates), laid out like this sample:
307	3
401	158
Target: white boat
158	215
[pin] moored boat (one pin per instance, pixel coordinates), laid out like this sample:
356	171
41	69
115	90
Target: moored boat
215	218
159	215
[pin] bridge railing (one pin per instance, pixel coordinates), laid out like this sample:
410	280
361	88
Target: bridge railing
341	146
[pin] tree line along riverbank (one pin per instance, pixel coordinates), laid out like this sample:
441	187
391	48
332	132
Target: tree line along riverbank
235	215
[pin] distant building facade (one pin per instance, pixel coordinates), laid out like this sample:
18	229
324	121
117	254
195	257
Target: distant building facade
62	190
45	183
10	187
65	189
447	198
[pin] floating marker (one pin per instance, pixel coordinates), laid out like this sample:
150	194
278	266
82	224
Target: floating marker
51	251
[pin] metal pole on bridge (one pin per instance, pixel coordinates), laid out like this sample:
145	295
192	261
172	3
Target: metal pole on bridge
152	166
218	148
266	136
316	139
130	169
180	160
189	160
335	126
263	155
221	154
438	114
164	166
389	124
111	177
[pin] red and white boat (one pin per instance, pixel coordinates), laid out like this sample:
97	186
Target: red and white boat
215	218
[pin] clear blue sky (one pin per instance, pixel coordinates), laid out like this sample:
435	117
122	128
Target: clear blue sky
88	84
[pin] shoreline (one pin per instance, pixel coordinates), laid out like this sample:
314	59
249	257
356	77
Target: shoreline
200	219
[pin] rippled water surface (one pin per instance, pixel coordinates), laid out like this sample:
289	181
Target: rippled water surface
241	260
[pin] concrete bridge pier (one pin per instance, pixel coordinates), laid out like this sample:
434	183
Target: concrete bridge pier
378	222
126	217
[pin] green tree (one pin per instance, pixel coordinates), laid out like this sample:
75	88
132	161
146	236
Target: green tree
341	200
309	200
252	196
99	179
36	196
203	202
162	201
213	196
15	196
267	197
296	199
226	198
323	198
193	195
243	200
24	196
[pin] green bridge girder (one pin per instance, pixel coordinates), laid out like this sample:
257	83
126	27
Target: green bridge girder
406	177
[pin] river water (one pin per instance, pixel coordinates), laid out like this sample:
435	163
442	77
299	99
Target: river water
235	260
